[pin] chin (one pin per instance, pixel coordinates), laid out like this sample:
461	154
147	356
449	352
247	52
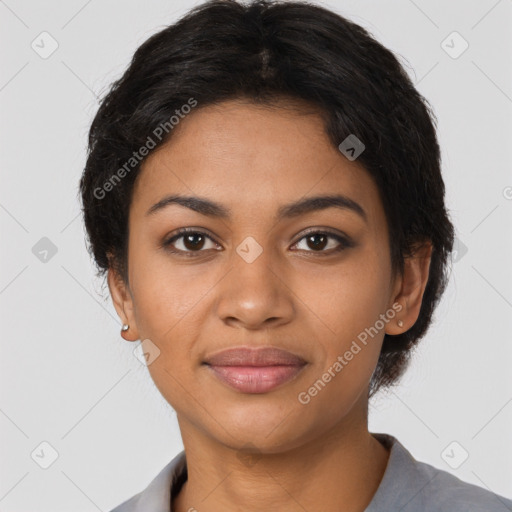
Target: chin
269	429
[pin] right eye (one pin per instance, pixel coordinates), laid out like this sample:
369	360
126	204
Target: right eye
191	241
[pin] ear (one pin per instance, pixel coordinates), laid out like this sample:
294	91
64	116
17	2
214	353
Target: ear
409	288
123	303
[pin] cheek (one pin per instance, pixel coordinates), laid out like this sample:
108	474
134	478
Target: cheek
170	304
349	301
165	292
349	297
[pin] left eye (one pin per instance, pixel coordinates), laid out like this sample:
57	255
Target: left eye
319	241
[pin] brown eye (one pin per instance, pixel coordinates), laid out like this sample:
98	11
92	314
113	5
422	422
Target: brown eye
318	241
193	241
189	241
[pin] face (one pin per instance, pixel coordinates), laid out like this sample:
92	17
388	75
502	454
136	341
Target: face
307	281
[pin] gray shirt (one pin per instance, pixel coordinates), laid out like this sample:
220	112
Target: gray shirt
408	485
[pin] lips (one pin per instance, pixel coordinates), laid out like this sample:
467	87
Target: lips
264	356
252	370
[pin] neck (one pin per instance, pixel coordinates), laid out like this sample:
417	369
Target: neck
341	467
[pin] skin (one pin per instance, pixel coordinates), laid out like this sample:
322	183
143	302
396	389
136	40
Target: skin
293	296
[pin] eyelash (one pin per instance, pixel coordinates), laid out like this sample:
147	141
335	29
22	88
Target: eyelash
345	243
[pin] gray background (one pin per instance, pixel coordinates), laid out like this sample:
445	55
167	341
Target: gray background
70	380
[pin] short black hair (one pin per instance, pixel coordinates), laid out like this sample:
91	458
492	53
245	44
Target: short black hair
266	51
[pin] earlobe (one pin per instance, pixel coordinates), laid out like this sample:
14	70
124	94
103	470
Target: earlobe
123	304
411	288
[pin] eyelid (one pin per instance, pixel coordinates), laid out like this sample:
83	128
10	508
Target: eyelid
324	231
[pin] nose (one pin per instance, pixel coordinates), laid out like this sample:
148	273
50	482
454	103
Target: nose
255	295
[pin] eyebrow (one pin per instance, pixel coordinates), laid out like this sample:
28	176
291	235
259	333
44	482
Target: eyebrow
309	204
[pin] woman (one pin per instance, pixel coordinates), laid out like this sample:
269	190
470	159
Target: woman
263	191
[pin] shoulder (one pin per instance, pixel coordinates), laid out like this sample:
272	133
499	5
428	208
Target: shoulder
156	497
410	485
445	492
129	505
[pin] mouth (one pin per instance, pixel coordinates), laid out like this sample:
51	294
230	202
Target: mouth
251	370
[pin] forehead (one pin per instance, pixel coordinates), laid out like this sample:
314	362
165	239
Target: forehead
251	156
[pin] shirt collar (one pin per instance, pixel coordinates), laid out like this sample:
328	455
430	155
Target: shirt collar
403	478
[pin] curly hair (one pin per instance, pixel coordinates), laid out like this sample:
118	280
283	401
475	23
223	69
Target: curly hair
266	51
